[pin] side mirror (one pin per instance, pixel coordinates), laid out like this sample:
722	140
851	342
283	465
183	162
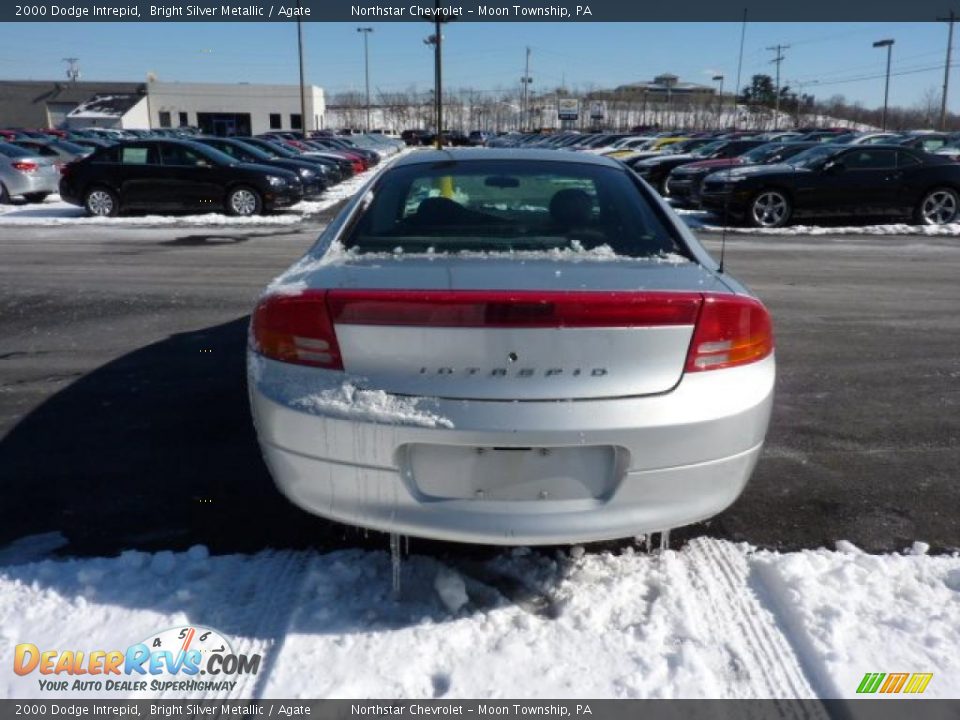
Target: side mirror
834	167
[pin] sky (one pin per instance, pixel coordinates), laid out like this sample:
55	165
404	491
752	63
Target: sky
490	56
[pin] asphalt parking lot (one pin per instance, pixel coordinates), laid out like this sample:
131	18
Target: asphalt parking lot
124	420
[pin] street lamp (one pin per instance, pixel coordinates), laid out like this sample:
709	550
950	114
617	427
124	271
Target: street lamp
719	78
888	44
303	88
366	68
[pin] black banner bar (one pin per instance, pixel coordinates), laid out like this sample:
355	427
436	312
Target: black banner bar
471	11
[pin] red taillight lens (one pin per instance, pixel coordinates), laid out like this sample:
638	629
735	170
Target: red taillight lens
25	166
731	330
296	329
495	308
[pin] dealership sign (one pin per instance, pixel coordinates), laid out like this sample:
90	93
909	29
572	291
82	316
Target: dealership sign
568	108
598	110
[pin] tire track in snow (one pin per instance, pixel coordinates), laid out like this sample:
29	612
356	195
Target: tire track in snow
268	619
719	570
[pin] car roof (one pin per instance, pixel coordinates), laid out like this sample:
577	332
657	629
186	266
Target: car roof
478	154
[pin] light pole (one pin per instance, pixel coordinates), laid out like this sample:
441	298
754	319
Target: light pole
719	78
366	68
888	44
303	89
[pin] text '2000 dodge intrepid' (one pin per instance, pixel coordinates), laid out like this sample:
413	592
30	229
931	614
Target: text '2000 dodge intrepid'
493	348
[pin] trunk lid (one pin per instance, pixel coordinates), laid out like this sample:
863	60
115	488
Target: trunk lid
492	329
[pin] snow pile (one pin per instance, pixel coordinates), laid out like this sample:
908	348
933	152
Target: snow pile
903	616
347	400
713	620
706	221
321	394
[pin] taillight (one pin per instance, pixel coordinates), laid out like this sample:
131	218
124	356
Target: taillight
25	166
504	308
296	329
731	331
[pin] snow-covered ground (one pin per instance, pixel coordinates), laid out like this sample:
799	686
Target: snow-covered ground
711	620
706	221
54	211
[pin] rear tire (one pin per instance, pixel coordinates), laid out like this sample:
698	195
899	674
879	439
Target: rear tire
769	209
35	198
4	195
244	201
940	206
100	201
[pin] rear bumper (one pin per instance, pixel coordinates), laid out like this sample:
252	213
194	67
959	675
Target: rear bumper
681	457
20	183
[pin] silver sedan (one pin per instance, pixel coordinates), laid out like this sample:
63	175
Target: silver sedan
24	173
510	349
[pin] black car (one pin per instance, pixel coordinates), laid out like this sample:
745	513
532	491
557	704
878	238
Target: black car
683	183
312	177
414	137
175	175
831	180
343	168
655	170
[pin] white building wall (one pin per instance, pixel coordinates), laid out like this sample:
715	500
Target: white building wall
137	117
259	101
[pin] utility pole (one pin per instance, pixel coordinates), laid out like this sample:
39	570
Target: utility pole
303	90
950	20
736	89
888	44
525	105
366	69
779	58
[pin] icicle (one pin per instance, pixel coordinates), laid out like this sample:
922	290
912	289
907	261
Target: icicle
664	540
396	559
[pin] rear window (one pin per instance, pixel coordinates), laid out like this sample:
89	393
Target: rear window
504	206
16	151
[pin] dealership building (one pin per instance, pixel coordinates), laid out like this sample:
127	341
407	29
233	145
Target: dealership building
217	109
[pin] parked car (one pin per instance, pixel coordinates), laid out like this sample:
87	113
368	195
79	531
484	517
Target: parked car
831	180
478	138
656	169
411	387
60	152
344	167
413	137
27	174
175	175
312	177
683	183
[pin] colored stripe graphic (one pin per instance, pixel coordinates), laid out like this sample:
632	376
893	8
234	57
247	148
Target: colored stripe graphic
918	683
894	683
870	682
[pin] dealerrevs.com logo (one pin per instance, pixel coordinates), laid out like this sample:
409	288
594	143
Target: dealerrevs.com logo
181	659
